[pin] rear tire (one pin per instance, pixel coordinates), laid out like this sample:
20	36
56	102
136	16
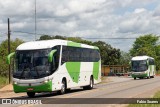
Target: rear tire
149	76
68	90
31	94
134	78
90	86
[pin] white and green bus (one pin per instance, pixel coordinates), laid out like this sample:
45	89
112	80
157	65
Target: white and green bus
143	66
54	65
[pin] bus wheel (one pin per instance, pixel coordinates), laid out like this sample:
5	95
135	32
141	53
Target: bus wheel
31	94
148	76
91	83
68	90
63	87
134	78
90	86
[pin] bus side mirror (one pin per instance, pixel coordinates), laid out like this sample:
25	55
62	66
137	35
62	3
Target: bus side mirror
8	61
50	55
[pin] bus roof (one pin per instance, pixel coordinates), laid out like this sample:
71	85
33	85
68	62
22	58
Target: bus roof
45	44
141	58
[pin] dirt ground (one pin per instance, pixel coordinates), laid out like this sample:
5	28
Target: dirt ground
7	91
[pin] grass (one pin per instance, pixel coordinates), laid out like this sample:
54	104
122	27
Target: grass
157	95
3	81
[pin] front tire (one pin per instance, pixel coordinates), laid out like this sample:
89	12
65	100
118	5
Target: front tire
63	87
31	94
134	78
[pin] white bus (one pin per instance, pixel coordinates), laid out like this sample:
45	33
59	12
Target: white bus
54	65
143	66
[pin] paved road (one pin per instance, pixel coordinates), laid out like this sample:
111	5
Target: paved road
120	87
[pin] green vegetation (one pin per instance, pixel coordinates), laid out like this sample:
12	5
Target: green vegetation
143	105
3	81
157	95
125	58
4	53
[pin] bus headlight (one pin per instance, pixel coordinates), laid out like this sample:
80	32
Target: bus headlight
14	82
45	81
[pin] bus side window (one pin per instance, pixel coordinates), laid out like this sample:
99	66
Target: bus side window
64	55
151	62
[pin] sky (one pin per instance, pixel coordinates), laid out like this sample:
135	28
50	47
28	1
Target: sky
89	19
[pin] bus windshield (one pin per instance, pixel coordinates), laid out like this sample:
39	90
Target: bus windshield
139	66
32	64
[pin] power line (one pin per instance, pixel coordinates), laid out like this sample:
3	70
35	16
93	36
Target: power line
78	36
108	38
28	33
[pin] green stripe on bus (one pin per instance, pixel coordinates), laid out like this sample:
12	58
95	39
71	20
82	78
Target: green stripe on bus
141	75
46	87
73	69
96	70
73	44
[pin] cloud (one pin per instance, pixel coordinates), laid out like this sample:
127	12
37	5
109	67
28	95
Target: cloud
139	10
82	18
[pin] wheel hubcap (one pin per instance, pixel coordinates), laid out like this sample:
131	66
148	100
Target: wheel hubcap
91	83
63	88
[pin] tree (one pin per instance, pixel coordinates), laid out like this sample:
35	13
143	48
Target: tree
147	45
125	58
45	37
4	53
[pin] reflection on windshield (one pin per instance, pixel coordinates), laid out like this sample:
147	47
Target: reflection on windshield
139	66
32	64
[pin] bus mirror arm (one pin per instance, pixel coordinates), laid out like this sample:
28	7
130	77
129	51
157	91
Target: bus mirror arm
130	63
147	62
8	61
50	55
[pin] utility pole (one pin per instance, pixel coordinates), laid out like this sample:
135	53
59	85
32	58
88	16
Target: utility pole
35	20
9	66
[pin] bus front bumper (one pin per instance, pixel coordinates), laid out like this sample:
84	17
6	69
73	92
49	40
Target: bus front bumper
137	75
46	87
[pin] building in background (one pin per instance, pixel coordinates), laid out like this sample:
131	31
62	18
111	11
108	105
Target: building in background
113	70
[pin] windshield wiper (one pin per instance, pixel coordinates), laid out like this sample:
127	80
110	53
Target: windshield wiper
37	73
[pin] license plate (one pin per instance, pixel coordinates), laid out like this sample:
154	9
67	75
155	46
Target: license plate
30	89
